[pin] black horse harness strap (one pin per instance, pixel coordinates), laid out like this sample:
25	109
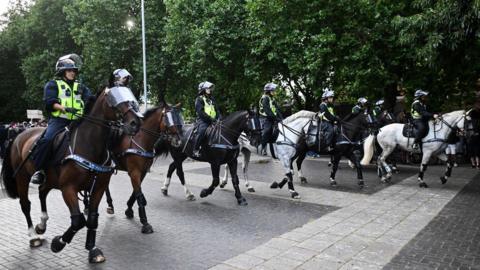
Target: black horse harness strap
140	151
229	145
290	142
442	140
91	166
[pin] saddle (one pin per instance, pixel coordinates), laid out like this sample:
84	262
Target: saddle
56	149
411	131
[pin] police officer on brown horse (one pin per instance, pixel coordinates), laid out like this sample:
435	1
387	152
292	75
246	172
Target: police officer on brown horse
207	113
269	114
64	99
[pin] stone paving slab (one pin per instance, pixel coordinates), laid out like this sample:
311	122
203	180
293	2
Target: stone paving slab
451	240
344	240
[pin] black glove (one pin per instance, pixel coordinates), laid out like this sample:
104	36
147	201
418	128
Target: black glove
71	110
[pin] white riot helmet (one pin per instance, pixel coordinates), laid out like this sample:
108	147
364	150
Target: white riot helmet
380	102
327	94
203	86
269	87
420	93
362	101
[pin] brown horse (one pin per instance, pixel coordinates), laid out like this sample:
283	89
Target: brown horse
84	167
135	154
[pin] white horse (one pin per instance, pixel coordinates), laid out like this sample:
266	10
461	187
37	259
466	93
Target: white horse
292	129
434	144
246	148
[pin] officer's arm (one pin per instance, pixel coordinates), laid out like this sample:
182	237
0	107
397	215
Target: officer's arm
328	115
279	112
421	110
50	97
267	109
200	111
218	115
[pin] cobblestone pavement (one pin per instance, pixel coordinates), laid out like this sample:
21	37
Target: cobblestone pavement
328	228
451	240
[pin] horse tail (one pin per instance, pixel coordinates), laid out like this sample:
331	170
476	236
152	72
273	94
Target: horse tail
272	151
368	148
9	181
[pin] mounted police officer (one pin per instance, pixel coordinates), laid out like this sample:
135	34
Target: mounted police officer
207	113
420	116
64	100
360	107
270	114
328	118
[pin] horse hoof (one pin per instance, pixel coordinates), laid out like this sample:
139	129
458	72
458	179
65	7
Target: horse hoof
250	189
164	191
147	229
242	201
95	255
329	164
110	210
129	213
303	180
295	195
333	183
223	184
36	242
191	197
38	230
274	184
57	245
443	179
361	184
203	193
423	184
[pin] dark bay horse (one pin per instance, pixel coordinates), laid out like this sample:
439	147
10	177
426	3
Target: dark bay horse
135	154
85	166
222	149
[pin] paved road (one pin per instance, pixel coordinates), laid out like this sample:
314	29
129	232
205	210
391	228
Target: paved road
328	228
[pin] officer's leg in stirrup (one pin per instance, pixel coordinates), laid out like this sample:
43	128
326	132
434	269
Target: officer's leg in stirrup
419	134
43	148
201	129
266	135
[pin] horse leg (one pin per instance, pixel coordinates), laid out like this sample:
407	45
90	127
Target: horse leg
232	165
336	161
136	177
130	202
188	194
448	171
246	160
22	187
384	169
166	183
216	179
225	177
42	226
356	159
95	255
286	159
110	209
300	159
77	220
423	168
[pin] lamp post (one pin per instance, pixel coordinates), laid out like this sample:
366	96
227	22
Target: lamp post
144	56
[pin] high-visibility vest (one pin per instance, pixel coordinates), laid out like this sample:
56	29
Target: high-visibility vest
330	110
69	98
273	108
209	108
414	113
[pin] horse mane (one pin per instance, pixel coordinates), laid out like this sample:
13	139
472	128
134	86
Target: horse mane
151	111
454	113
300	114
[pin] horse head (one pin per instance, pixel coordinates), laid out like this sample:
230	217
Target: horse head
171	123
253	127
120	103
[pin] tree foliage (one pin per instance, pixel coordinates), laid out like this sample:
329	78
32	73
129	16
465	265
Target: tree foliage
355	47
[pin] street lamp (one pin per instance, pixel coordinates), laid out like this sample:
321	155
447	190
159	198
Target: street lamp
144	56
